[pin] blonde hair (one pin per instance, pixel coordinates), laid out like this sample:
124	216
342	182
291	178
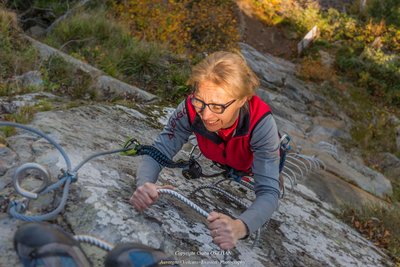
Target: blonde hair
228	71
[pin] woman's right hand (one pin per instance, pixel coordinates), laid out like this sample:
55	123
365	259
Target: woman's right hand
145	195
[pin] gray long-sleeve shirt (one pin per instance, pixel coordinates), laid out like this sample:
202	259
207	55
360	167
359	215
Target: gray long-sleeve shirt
265	145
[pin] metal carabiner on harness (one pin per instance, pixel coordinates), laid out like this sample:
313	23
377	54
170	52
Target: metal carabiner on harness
285	142
130	147
193	170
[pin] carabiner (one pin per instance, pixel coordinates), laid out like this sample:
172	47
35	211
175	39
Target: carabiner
130	147
285	142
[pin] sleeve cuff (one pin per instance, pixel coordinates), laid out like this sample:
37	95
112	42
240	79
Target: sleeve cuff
247	231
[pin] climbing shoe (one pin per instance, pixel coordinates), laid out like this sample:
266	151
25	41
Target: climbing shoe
137	255
45	245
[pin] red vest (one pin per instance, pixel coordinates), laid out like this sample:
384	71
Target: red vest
235	152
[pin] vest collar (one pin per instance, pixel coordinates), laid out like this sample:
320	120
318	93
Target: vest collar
244	122
241	129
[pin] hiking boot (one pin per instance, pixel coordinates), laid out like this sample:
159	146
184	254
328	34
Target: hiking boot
45	245
137	255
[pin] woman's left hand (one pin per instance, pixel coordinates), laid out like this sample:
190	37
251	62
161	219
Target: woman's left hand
225	230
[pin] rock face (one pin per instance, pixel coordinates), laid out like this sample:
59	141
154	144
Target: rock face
302	233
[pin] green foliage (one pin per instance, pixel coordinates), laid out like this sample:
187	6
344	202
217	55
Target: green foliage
149	65
13	88
3	89
8	131
85	29
23	115
270	12
16	54
73	104
157	20
388	10
212	26
313	70
96	38
337	25
64	79
142	60
361	55
6	90
396	190
303	19
44	105
373	70
174	80
366	48
376	136
184	27
19	4
56	6
3	141
372	129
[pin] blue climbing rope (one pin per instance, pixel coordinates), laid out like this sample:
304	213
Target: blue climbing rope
160	157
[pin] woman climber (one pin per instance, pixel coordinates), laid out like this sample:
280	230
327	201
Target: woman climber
234	128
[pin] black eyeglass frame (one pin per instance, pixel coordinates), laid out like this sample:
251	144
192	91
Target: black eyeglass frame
204	104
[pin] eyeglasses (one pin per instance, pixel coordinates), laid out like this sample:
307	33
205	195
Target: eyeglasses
216	108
